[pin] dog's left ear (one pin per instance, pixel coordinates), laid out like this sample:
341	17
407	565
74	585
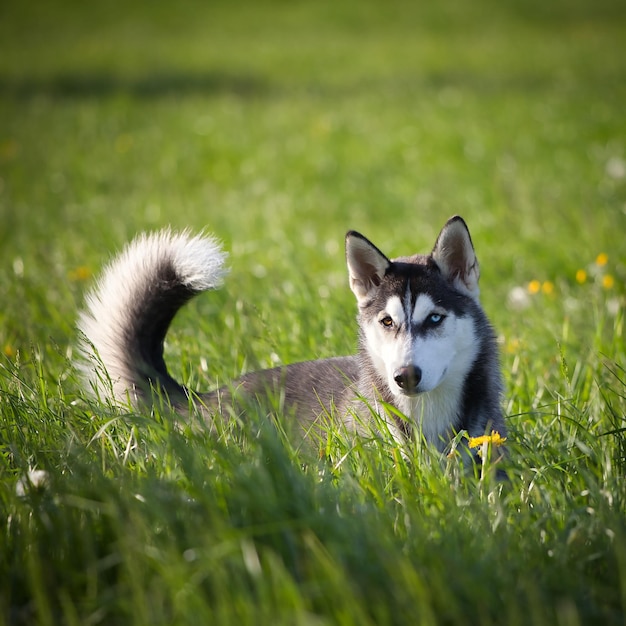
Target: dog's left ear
366	265
455	256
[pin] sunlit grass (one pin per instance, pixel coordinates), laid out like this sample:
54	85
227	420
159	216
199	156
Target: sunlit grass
279	128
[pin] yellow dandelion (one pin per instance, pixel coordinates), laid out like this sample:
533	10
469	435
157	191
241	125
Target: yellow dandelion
602	259
534	286
547	287
80	273
581	277
608	282
9	350
495	439
513	345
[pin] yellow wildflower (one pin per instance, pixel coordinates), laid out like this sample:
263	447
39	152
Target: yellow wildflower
80	273
608	282
602	259
513	345
495	439
9	350
547	287
534	286
581	277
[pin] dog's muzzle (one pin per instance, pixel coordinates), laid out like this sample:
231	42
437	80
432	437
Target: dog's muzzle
408	378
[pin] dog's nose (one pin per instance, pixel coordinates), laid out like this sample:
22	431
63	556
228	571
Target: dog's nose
408	377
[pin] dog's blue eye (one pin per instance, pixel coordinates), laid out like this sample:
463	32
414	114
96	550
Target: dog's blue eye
435	318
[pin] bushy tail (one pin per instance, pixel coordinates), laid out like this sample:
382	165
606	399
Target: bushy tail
127	314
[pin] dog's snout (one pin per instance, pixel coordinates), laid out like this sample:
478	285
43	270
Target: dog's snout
408	377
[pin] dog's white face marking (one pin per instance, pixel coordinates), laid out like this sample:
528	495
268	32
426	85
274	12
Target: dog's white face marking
395	310
434	341
387	339
424	307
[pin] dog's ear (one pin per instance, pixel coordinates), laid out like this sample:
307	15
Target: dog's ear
366	265
455	256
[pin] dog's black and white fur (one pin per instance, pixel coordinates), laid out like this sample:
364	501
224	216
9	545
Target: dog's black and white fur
426	347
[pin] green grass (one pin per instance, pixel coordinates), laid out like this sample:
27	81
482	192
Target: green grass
279	126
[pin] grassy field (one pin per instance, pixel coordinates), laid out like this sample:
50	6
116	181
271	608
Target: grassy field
278	126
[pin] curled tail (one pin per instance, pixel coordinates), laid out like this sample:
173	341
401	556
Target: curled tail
128	312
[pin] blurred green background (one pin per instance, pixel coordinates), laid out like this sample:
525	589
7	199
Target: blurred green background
279	125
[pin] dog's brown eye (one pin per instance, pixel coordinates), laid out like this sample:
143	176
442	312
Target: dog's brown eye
386	321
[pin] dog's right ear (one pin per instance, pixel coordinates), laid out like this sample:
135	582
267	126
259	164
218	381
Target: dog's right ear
455	256
366	265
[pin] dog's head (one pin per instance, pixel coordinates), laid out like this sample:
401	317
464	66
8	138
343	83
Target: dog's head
416	312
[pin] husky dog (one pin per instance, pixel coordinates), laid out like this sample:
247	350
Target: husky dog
427	361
